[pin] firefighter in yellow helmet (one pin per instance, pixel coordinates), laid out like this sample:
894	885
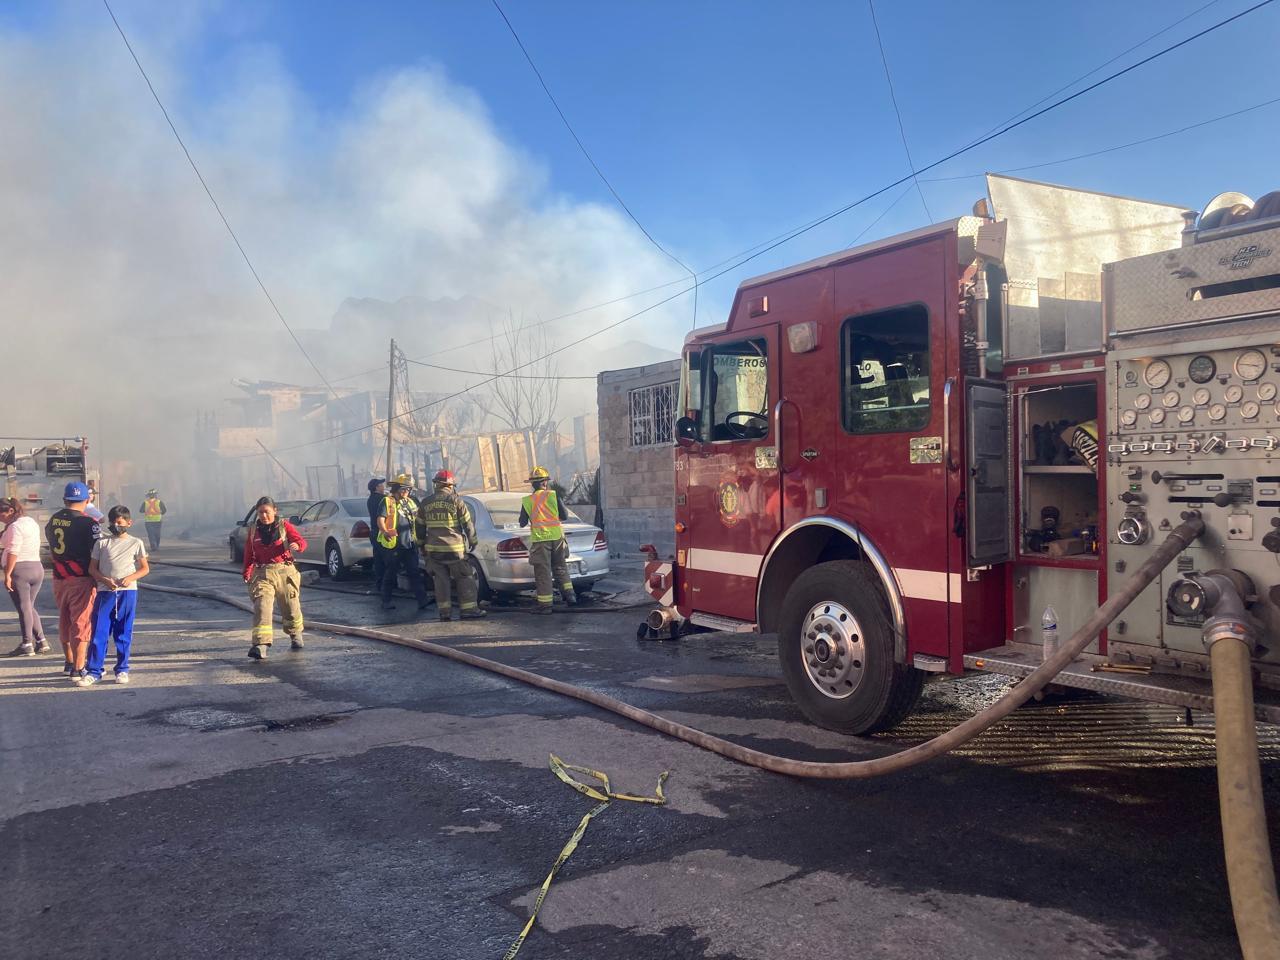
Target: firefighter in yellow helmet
543	513
445	534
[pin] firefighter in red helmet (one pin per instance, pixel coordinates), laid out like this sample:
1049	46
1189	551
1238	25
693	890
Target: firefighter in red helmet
445	535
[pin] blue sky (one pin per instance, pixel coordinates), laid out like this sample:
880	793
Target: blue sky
721	124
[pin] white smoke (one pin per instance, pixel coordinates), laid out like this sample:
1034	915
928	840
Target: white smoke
126	308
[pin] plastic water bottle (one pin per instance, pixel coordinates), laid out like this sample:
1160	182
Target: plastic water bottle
1049	631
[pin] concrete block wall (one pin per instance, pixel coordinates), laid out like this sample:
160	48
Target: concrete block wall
637	484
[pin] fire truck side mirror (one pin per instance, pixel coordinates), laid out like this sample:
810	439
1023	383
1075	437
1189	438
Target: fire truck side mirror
687	432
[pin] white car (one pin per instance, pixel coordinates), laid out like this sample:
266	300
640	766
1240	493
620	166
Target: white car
337	535
501	557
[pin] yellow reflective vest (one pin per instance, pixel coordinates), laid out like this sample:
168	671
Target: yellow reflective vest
152	511
543	510
388	540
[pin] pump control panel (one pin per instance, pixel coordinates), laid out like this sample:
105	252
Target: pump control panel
1193	425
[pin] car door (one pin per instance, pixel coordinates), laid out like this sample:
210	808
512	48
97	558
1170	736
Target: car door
313	533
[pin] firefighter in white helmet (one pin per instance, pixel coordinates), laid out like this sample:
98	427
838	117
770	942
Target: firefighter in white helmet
543	513
445	534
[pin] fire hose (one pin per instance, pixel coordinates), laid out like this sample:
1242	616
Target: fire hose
1244	827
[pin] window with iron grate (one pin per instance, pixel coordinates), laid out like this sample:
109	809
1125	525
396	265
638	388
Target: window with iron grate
653	415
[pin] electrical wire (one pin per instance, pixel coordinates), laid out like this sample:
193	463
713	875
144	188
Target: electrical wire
829	216
225	222
591	160
883	213
893	97
482	373
1113	149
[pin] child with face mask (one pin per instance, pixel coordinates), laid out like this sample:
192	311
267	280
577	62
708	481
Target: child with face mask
119	562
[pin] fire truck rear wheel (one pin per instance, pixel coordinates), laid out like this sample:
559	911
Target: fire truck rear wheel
835	643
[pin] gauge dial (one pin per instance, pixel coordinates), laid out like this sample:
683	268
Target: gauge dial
1250	365
1201	369
1156	415
1217	411
1234	393
1249	409
1187	414
1201	396
1129	417
1157	373
1266	392
1142	401
1171	398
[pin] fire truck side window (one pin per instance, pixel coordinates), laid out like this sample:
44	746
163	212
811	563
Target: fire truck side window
738	391
886	371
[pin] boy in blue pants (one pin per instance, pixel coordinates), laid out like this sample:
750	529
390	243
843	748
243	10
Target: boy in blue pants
119	562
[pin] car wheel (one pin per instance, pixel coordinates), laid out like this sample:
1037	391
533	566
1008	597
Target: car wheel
483	591
584	586
836	647
333	563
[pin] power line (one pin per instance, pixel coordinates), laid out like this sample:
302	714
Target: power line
1107	63
484	373
225	222
883	213
796	230
1112	149
824	219
595	166
893	97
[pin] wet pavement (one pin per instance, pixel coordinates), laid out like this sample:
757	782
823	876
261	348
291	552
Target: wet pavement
360	799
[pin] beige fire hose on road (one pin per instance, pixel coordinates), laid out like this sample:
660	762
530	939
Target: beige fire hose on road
1177	541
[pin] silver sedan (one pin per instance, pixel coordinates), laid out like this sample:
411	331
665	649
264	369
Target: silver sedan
337	535
501	556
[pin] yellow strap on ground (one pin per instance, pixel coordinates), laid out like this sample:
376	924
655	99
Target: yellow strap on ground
605	796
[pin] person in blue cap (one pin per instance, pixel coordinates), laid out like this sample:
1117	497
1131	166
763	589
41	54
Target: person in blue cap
71	534
377	493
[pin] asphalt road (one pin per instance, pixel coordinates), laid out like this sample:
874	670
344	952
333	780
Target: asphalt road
360	799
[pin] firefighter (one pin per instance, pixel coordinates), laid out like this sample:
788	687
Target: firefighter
272	576
446	534
395	537
542	512
153	511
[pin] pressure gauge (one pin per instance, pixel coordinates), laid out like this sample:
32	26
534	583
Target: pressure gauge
1201	397
1142	401
1266	392
1249	409
1129	417
1201	369
1217	412
1234	393
1156	415
1157	373
1187	414
1171	398
1250	365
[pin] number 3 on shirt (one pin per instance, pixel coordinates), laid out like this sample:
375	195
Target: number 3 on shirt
61	536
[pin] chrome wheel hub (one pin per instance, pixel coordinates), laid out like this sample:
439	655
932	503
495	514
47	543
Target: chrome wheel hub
832	649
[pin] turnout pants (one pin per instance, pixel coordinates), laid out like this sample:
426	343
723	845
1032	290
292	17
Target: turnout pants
74	597
448	572
550	560
275	585
153	534
113	613
28	575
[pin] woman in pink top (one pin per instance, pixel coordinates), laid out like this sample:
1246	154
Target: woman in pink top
23	574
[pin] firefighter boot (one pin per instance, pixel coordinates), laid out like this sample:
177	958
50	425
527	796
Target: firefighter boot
475	613
295	642
570	595
258	651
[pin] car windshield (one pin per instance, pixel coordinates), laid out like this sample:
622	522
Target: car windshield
505	511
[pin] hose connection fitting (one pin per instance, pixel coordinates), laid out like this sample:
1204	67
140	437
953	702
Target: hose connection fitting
1218	597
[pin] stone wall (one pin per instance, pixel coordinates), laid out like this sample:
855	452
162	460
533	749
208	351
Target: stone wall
636	483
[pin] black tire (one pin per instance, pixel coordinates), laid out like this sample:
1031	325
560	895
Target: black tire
484	593
885	691
334	565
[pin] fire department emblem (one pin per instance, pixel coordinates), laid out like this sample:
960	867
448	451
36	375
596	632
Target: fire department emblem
729	499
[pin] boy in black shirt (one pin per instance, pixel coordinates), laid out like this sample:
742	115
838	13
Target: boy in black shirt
71	534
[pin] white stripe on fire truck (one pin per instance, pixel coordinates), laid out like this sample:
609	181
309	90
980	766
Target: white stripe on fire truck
928	584
725	561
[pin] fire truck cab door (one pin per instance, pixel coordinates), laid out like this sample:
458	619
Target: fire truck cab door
733	482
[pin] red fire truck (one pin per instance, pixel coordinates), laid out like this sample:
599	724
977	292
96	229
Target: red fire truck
902	458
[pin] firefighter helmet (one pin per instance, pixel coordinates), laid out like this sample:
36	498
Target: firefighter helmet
404	480
539	475
443	478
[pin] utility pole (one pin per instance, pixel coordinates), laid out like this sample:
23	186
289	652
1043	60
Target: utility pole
391	400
